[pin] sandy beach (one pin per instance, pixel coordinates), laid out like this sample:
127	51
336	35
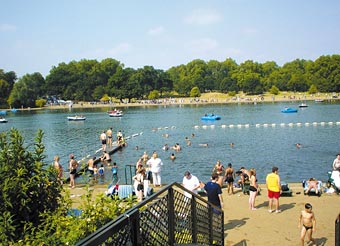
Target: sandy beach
206	98
244	227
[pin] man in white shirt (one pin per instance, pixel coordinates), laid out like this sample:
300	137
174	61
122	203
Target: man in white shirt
190	182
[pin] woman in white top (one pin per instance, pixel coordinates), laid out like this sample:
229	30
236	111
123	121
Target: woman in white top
155	164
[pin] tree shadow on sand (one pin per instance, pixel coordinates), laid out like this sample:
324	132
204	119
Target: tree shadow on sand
241	243
235	223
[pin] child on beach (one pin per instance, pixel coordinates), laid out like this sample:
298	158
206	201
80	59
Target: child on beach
307	224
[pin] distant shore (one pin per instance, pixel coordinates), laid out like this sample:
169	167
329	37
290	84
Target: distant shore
206	98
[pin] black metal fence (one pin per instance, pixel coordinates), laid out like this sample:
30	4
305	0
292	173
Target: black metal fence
172	216
337	231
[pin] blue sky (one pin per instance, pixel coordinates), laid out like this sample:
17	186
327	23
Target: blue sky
38	34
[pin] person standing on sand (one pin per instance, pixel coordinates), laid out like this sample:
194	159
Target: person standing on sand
59	168
73	165
273	183
253	189
307	223
103	140
229	178
214	192
155	164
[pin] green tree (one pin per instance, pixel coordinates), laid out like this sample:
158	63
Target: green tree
274	90
195	92
40	102
154	95
312	89
7	81
28	89
28	188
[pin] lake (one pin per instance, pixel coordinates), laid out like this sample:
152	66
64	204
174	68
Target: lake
262	137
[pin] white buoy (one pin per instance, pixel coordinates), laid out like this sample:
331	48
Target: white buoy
223	126
315	123
257	125
239	125
246	125
204	126
282	124
307	124
196	127
322	123
290	124
212	126
273	125
298	124
338	123
265	125
231	126
330	123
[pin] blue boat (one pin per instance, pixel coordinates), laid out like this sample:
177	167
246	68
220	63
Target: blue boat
289	110
3	112
211	117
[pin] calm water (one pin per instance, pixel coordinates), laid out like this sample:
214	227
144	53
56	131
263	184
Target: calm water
256	144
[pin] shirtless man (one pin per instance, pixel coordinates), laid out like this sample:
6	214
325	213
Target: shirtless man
106	158
336	163
103	140
90	165
307	224
109	137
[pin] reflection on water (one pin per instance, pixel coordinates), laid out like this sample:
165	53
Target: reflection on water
261	140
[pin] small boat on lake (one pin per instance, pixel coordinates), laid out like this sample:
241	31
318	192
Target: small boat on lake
289	110
76	118
3	120
319	100
115	113
3	112
211	117
303	105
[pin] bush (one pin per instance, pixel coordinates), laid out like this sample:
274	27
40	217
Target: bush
35	207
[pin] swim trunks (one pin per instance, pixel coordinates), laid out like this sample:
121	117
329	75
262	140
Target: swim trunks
307	227
273	194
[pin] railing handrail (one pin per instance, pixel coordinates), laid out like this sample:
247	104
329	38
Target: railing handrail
110	228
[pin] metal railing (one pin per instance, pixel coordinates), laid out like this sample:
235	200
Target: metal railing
168	217
337	231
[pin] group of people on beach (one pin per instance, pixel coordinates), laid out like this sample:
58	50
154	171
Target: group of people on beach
148	169
213	189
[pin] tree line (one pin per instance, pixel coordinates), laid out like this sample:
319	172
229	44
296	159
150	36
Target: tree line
91	80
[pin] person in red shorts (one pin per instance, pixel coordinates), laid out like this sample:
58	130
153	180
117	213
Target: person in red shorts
274	189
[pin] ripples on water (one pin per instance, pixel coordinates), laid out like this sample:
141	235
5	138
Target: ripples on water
259	147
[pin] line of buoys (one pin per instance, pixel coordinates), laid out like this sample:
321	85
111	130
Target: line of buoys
291	124
163	128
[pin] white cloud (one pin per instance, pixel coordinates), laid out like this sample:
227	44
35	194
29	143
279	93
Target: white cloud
250	31
203	45
7	27
203	17
156	31
120	49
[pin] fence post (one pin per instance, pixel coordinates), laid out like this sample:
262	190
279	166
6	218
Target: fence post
337	231
194	219
171	216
